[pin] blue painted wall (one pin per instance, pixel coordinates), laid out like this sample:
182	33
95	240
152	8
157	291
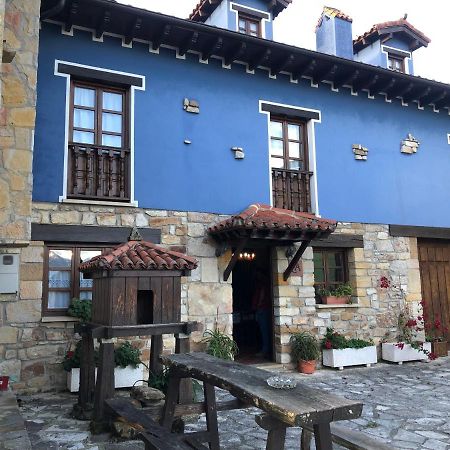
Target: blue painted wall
334	36
389	188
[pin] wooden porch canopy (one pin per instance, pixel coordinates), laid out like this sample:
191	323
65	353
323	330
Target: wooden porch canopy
273	226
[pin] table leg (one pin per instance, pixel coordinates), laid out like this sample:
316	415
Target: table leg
305	440
173	391
211	416
322	435
276	438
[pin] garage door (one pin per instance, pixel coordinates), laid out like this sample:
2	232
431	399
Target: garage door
434	258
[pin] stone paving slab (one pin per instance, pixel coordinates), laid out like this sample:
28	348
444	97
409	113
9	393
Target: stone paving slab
407	406
13	434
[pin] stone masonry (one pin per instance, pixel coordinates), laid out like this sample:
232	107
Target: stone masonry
32	347
19	35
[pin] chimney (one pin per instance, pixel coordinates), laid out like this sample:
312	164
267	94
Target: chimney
334	33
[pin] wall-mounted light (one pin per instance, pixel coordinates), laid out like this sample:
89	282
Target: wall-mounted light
238	152
247	256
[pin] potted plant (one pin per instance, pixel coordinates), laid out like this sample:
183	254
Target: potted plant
81	309
435	333
339	351
409	342
219	344
341	295
305	351
129	367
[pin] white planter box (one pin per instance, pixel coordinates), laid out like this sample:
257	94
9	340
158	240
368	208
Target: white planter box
122	377
350	357
390	352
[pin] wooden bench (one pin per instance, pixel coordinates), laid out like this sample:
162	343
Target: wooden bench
151	433
347	438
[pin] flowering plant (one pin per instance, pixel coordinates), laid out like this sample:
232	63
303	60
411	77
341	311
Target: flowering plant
435	331
411	327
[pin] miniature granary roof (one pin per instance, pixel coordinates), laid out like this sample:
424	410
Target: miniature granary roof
264	221
140	255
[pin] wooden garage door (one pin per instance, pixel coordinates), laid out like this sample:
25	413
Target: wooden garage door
434	258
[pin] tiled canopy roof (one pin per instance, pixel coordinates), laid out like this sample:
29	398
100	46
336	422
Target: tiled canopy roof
266	218
382	28
333	12
205	8
140	255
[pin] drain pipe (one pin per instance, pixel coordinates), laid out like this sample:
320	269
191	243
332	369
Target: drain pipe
54	10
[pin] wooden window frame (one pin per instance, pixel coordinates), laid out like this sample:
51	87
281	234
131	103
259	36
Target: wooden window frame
249	19
326	284
285	121
75	275
392	57
100	88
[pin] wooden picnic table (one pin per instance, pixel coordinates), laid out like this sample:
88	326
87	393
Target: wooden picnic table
301	406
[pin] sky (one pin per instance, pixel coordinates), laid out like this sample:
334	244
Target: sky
296	24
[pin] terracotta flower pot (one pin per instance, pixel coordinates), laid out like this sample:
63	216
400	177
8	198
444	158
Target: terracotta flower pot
333	300
307	367
439	348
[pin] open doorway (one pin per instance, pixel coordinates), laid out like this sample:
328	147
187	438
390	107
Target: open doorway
253	306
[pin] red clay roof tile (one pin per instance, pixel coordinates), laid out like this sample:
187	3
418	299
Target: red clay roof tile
140	255
265	217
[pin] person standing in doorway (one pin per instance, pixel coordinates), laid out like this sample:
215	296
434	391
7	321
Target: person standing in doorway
262	306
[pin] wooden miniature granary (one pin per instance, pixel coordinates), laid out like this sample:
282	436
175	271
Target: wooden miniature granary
137	283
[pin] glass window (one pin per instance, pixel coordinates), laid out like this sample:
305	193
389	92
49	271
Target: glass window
330	268
63	280
249	25
98	116
396	63
288	141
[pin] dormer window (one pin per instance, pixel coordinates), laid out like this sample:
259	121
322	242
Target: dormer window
249	25
396	63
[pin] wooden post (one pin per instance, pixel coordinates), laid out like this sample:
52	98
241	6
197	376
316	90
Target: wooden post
156	348
183	345
211	416
87	373
104	388
173	391
322	435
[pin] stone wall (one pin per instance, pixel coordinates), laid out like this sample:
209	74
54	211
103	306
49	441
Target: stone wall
33	346
375	310
20	29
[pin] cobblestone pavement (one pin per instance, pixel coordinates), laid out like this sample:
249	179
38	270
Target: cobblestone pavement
408	406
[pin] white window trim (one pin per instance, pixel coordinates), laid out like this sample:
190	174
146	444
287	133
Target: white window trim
263	20
310	128
407	56
63	198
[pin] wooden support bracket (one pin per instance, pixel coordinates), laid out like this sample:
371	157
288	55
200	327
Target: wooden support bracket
234	259
296	259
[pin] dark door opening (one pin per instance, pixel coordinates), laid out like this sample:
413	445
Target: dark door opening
253	306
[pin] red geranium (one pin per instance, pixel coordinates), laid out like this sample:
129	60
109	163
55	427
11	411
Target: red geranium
70	354
328	345
411	323
437	324
400	345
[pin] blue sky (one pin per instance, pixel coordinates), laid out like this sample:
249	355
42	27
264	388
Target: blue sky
296	24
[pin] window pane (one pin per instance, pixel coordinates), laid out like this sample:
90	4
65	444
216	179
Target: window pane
112	122
60	258
294	132
111	141
276	129
276	147
85	283
86	295
83	137
59	279
294	150
88	254
83	118
277	163
295	165
318	259
319	275
59	300
242	25
112	101
84	97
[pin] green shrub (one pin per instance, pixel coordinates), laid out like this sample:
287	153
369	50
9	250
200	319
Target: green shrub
342	290
127	355
304	346
159	381
337	341
219	344
82	309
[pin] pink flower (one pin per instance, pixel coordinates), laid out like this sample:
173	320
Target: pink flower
328	345
400	345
